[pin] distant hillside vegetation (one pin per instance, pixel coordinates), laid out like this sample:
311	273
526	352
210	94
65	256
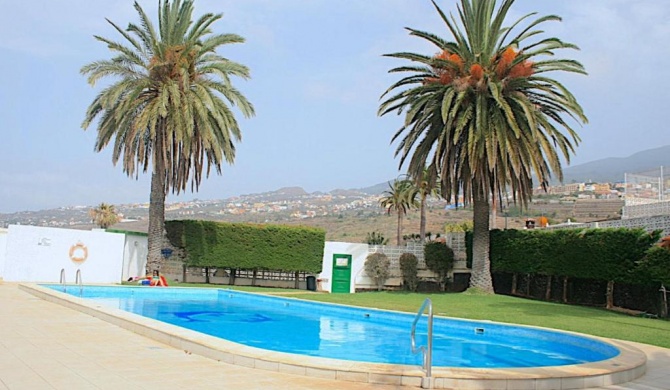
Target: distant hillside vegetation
280	194
340	192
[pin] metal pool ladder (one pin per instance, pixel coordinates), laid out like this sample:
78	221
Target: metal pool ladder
77	280
62	279
427	381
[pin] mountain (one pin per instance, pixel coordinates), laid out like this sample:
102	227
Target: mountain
376	189
607	170
611	170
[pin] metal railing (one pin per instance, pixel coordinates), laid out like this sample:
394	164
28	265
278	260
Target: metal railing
77	281
428	348
62	279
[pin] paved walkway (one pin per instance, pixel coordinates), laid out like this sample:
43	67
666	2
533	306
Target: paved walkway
47	346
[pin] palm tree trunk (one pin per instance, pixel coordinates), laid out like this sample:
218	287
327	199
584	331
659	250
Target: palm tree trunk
422	225
494	213
664	304
481	264
610	294
399	227
156	232
156	220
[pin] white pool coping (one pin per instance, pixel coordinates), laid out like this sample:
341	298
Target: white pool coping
629	365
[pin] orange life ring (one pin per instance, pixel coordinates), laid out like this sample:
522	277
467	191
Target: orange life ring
78	252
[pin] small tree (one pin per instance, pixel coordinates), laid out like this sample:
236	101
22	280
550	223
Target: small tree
439	259
400	197
376	238
105	215
378	267
409	268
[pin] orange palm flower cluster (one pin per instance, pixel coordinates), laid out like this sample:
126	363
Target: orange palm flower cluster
444	55
446	74
504	67
460	76
476	72
524	69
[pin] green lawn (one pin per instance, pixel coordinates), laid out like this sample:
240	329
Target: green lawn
500	308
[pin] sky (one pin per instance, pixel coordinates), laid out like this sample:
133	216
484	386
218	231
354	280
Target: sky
317	74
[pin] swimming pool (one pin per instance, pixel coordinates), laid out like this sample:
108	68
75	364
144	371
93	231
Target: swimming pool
346	333
628	365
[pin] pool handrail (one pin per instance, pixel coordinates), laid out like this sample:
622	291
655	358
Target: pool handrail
62	279
428	348
77	281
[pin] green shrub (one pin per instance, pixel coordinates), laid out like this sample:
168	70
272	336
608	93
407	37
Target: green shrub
409	268
376	238
378	267
458	227
439	259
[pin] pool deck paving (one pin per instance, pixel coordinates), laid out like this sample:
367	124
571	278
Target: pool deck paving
47	346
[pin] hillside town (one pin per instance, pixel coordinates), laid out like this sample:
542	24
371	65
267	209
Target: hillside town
584	201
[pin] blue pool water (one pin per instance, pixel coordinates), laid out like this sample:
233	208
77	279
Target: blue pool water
341	332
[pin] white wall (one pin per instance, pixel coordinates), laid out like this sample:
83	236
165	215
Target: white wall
358	254
134	256
3	251
37	254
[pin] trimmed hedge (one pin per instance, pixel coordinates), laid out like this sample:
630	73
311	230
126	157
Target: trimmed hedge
248	246
598	254
655	267
606	257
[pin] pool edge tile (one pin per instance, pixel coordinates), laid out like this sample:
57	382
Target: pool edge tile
292	369
266	365
352	376
320	373
385	379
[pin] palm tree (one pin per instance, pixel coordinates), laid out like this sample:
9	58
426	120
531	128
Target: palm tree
105	215
484	112
400	197
426	186
167	109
